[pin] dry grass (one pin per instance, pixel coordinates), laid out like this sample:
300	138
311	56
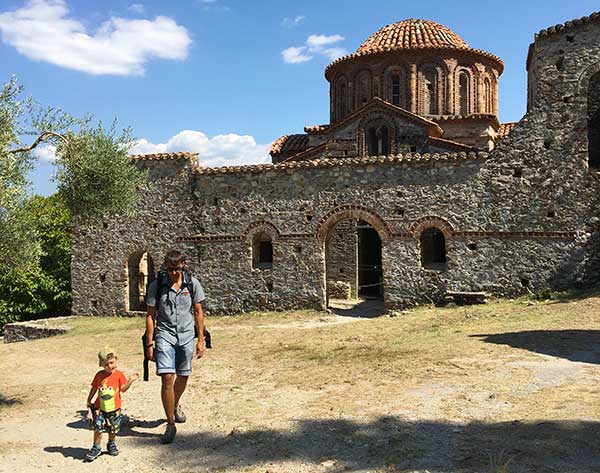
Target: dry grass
429	388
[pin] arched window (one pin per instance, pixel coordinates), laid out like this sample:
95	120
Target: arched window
464	94
396	90
378	140
262	251
363	88
341	99
593	121
433	248
429	92
487	96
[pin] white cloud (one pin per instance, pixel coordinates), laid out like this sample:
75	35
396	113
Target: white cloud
294	55
291	22
136	8
220	150
315	44
45	152
42	31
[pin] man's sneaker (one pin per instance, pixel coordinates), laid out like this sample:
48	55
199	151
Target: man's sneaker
94	453
169	434
179	415
112	448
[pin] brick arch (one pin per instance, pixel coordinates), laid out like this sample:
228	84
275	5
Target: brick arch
261	226
348	212
584	80
423	223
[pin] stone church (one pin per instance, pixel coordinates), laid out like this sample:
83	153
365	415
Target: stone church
413	190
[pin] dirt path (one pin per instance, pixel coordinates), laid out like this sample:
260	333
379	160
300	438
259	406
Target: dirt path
304	395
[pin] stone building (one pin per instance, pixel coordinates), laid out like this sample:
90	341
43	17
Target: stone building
413	189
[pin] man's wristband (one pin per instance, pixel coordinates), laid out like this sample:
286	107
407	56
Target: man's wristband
150	345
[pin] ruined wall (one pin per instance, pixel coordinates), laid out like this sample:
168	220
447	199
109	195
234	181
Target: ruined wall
523	217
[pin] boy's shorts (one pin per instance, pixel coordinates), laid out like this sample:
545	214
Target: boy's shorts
173	358
109	422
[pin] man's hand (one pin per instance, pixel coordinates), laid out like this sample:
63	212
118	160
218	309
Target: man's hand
199	349
150	352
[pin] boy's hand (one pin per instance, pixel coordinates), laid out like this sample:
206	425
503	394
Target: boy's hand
134	377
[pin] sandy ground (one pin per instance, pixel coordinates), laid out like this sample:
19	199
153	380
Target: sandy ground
273	397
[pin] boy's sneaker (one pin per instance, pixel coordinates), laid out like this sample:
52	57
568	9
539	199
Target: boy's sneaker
169	434
94	453
180	417
112	449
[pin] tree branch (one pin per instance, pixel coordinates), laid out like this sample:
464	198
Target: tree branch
43	137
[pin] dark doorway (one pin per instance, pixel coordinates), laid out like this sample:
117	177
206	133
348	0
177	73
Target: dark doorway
140	271
370	274
594	122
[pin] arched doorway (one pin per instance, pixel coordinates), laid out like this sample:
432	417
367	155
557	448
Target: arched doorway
140	272
353	237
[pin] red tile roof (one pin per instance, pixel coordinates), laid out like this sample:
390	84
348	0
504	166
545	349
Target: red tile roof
333	162
289	143
473	117
569	24
412	34
504	130
164	156
315	128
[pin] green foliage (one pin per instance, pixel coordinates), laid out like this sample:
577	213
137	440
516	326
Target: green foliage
18	240
95	177
95	174
43	290
53	223
20	294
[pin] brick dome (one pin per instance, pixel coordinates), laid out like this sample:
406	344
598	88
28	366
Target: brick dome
412	34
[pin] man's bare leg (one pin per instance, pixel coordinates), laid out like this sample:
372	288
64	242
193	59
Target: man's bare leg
167	393
179	388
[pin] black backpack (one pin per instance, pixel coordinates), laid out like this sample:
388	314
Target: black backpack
162	280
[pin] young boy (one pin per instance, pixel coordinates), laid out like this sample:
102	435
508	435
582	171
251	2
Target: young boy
110	383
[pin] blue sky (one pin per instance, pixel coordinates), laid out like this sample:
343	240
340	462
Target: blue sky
218	76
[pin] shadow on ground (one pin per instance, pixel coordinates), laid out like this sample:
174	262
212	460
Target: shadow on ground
394	445
129	425
574	345
365	308
76	453
9	401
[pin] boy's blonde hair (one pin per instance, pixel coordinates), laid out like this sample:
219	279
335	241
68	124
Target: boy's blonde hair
105	354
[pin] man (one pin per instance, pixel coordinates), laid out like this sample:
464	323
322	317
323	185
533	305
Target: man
172	329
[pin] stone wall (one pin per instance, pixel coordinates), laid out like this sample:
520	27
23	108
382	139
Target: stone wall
524	217
342	256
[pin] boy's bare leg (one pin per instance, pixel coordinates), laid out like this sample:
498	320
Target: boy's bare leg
167	394
179	388
112	436
97	437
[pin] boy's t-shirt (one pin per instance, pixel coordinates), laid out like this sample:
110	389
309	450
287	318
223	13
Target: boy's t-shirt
109	390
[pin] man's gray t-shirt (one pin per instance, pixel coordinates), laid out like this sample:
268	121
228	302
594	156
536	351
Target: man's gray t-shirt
175	320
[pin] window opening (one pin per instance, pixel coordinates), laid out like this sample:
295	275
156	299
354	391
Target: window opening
463	94
396	89
378	142
262	251
433	248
